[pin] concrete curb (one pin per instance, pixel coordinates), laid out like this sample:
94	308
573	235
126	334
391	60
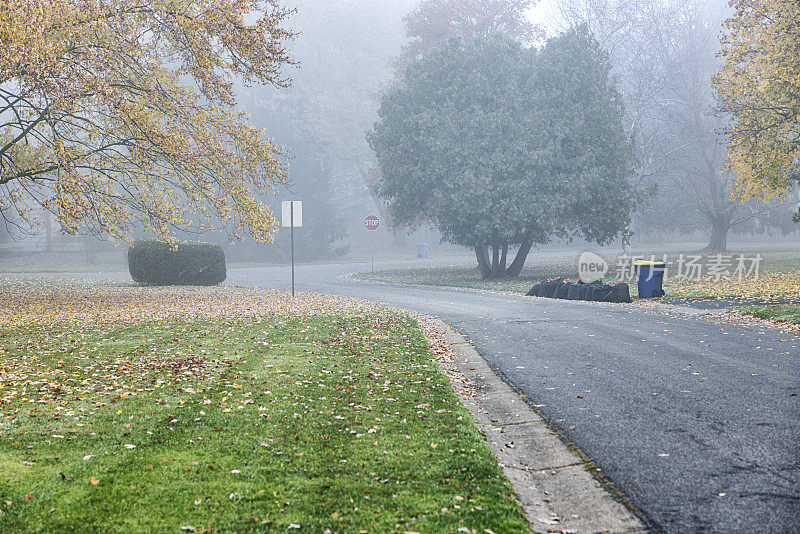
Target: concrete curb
557	493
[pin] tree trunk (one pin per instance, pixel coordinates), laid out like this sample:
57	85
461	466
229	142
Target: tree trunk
720	225
48	232
495	266
483	261
399	238
519	260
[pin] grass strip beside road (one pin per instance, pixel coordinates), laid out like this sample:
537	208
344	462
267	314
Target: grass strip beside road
244	419
779	276
780	314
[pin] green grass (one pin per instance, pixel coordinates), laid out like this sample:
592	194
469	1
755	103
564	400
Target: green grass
66	262
779	276
457	276
324	422
536	269
781	313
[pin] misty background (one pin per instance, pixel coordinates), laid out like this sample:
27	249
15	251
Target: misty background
663	55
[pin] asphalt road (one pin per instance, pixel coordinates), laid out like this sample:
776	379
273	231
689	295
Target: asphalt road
695	420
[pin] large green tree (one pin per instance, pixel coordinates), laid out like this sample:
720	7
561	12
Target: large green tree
432	24
498	146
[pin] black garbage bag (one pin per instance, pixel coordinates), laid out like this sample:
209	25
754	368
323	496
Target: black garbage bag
602	293
550	287
542	290
572	292
582	288
590	288
621	293
562	290
534	291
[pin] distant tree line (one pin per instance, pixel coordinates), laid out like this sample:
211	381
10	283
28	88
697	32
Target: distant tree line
665	55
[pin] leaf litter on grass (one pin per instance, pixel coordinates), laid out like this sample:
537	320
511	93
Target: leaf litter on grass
123	385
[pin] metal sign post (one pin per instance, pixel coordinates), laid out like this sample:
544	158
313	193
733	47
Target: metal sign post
291	233
372	223
292	217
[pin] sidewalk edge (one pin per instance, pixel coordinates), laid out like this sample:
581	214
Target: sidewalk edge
557	492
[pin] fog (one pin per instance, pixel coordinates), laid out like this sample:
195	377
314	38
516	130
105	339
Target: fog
662	54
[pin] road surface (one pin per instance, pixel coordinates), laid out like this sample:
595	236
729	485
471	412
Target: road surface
695	420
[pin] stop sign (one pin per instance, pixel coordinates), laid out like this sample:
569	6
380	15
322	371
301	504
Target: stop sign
372	222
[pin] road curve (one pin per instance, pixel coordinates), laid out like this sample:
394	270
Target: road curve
695	420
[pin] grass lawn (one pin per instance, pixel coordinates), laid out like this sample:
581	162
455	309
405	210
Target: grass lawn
779	276
116	260
536	269
63	262
782	314
131	409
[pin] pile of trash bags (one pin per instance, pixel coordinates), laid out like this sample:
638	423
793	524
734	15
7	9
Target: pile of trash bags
563	288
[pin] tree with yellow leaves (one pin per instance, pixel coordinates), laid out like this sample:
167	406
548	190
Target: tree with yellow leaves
759	84
117	114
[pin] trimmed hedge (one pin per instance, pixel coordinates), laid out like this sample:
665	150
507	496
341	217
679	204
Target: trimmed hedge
154	263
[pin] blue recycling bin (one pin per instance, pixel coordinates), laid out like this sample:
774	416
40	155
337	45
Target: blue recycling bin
422	250
651	278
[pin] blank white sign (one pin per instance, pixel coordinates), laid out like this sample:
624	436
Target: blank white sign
287	206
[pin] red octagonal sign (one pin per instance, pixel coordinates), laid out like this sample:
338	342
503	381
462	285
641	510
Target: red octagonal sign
372	223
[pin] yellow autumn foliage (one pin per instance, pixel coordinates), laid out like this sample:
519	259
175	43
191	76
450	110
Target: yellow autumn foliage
120	113
759	83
